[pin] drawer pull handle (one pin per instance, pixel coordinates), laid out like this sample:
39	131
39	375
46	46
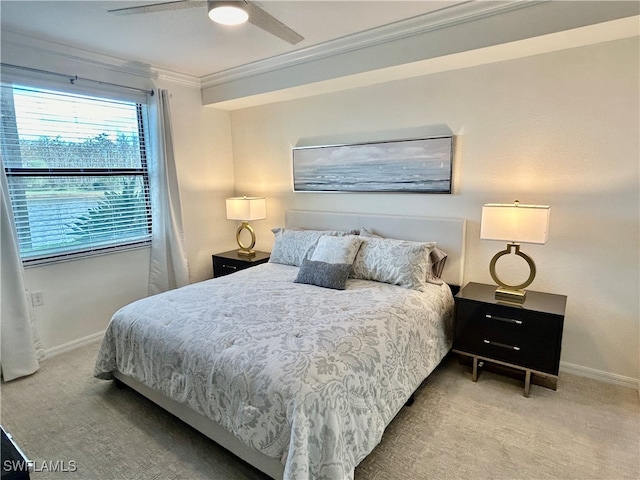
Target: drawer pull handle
503	319
229	266
503	345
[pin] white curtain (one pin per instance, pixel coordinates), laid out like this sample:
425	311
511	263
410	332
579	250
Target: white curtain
169	268
20	348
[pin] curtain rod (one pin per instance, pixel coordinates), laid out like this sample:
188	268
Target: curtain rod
74	78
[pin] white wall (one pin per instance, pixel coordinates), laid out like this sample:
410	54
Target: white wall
80	296
558	129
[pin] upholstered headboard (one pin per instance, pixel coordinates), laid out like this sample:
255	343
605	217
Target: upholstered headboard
448	232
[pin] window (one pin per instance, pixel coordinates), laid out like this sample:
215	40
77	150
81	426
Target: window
77	172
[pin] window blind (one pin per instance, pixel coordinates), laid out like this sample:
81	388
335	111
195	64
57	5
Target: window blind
77	172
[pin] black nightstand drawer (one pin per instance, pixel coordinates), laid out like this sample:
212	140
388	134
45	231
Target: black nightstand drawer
230	262
225	266
509	346
519	321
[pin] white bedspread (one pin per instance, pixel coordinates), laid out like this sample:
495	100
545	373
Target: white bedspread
302	373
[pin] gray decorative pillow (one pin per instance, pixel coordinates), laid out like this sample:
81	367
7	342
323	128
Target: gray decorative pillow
399	262
337	249
323	274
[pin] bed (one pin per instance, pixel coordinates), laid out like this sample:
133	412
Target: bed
297	379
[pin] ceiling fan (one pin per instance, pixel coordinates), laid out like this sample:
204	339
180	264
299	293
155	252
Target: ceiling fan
240	11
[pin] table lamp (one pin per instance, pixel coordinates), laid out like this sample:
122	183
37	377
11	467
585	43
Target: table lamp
246	209
514	223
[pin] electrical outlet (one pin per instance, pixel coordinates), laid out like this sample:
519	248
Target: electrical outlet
37	299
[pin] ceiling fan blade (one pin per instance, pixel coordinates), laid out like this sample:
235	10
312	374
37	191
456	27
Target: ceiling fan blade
270	24
158	7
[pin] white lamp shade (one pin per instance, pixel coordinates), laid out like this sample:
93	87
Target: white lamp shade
515	222
246	208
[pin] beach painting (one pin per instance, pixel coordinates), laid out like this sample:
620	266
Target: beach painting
421	165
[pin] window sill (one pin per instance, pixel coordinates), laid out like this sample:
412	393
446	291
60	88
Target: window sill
72	257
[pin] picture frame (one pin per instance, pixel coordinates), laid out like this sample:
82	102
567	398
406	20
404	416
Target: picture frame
419	165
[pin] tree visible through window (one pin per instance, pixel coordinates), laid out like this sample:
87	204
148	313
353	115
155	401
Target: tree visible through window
77	171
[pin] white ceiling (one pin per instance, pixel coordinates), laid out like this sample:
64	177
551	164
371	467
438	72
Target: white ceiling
186	41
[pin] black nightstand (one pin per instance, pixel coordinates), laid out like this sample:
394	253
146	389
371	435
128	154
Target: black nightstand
229	262
525	337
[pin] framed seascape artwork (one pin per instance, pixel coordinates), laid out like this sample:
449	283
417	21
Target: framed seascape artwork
422	165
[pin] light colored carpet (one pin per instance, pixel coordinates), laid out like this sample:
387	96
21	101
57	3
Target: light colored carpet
456	429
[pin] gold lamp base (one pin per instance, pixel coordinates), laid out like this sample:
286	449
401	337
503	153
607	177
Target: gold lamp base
246	250
512	293
508	295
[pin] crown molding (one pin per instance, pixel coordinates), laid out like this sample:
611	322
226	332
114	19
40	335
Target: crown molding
422	24
67	54
49	49
177	78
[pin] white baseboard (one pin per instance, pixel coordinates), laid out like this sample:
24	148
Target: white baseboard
600	375
80	342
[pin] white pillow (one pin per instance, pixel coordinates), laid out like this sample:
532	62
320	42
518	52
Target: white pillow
399	262
336	249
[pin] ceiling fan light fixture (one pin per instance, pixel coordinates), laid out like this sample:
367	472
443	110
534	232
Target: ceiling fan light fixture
228	13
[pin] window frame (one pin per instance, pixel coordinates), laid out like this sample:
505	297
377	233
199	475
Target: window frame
90	250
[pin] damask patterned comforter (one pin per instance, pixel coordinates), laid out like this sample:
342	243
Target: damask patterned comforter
302	373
